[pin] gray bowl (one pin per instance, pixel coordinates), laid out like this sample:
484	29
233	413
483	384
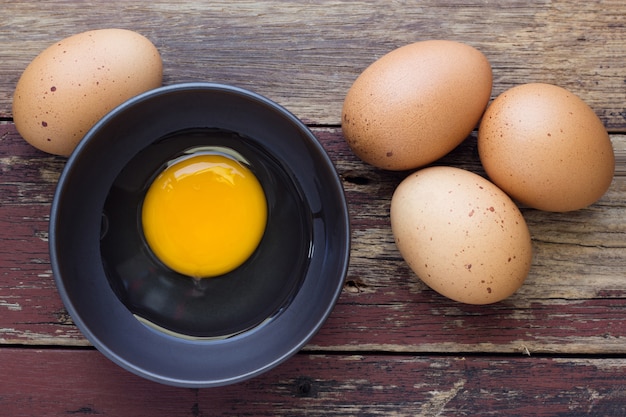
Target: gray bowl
165	326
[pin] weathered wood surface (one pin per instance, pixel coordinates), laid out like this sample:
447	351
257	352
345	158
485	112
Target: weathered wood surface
572	302
306	54
61	382
391	345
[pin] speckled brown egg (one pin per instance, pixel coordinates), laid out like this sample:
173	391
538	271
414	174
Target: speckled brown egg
546	148
461	235
69	86
416	103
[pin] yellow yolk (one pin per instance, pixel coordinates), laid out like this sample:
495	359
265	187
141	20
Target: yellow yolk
204	216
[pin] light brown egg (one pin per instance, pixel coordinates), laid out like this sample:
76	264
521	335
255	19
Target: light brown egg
416	103
462	235
72	84
546	148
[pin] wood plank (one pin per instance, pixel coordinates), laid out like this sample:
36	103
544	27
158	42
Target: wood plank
573	301
82	382
305	55
391	346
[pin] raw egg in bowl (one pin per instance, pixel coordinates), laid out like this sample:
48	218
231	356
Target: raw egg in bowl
199	235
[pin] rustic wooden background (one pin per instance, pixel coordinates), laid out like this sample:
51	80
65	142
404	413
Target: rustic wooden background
391	346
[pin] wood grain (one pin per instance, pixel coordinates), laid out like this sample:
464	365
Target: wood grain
391	345
305	55
571	303
60	382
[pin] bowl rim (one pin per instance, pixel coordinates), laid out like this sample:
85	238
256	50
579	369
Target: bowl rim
287	318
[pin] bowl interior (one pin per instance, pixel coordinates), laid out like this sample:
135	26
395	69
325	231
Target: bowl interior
175	329
213	307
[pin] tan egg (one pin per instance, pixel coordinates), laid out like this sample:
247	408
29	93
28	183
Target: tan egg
416	103
461	235
546	148
72	84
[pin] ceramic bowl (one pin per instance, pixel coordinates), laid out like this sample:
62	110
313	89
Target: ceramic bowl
176	329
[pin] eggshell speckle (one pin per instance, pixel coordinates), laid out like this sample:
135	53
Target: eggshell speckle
416	103
72	84
462	235
546	148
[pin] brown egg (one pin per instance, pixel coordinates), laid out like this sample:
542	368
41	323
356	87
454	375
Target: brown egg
416	103
462	235
67	88
546	148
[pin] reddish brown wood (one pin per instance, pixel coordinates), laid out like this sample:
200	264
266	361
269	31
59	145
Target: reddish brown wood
573	302
391	345
82	382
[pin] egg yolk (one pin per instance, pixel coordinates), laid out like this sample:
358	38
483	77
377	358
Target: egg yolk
204	215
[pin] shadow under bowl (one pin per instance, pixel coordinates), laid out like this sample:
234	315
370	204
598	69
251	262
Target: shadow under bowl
175	329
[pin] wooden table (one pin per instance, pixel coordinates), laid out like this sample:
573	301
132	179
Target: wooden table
391	346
